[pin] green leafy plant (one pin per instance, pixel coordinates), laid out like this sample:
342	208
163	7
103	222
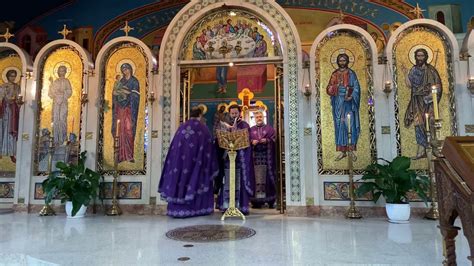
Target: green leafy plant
393	181
72	182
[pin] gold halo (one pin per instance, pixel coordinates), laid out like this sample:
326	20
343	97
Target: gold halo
62	63
123	61
411	54
203	108
336	53
4	74
220	105
230	104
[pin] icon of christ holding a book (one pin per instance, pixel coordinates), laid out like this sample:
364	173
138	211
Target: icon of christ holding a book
344	90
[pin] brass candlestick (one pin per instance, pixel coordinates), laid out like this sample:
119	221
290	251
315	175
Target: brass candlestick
232	211
433	150
352	212
115	209
47	210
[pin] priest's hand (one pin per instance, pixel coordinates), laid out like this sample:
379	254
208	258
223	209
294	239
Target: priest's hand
263	141
254	142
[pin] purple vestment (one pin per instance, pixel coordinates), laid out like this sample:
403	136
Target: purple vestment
264	164
244	178
187	178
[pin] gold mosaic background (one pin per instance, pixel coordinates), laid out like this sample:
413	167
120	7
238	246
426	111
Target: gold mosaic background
6	164
73	63
224	18
329	152
136	59
404	46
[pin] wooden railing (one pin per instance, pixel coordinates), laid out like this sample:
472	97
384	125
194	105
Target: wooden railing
455	185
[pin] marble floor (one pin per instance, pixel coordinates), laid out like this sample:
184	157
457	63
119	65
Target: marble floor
27	239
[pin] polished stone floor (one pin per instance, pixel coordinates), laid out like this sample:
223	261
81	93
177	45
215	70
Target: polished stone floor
26	239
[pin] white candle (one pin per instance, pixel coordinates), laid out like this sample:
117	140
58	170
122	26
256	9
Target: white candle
434	94
117	131
427	122
349	128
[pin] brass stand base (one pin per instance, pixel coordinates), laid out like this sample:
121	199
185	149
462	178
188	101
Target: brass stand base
114	210
433	213
353	213
232	212
47	211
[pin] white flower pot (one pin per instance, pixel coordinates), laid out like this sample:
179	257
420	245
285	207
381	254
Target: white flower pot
79	214
398	213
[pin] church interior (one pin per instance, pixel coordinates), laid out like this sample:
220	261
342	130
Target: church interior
241	132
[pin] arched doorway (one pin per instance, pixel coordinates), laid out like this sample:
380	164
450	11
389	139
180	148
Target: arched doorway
173	63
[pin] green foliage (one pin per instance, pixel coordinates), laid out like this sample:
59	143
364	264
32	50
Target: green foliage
393	181
72	182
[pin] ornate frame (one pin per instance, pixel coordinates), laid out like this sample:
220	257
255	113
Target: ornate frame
292	67
39	87
370	76
100	143
214	16
451	88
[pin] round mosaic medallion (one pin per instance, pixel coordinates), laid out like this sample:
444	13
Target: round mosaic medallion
210	233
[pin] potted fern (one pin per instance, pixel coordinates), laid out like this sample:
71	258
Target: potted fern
74	184
393	180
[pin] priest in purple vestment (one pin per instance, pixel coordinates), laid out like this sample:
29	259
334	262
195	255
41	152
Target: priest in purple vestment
262	138
244	173
191	164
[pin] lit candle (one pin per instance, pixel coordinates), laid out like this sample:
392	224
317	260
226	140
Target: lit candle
52	129
117	132
434	94
349	128
427	122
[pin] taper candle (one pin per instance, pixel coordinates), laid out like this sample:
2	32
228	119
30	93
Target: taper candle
434	94
349	128
427	122
117	131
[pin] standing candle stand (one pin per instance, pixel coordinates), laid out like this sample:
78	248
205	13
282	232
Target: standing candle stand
47	210
352	212
434	148
115	208
232	141
433	213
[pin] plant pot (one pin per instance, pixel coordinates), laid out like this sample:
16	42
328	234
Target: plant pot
79	214
398	213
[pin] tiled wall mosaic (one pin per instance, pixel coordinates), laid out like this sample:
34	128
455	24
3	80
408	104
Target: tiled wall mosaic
6	190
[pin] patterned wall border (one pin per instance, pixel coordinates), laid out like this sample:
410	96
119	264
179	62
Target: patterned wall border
370	85
7	190
338	191
291	73
127	190
39	191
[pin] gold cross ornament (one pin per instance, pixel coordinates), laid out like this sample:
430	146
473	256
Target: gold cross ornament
7	35
341	15
64	32
417	11
127	28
